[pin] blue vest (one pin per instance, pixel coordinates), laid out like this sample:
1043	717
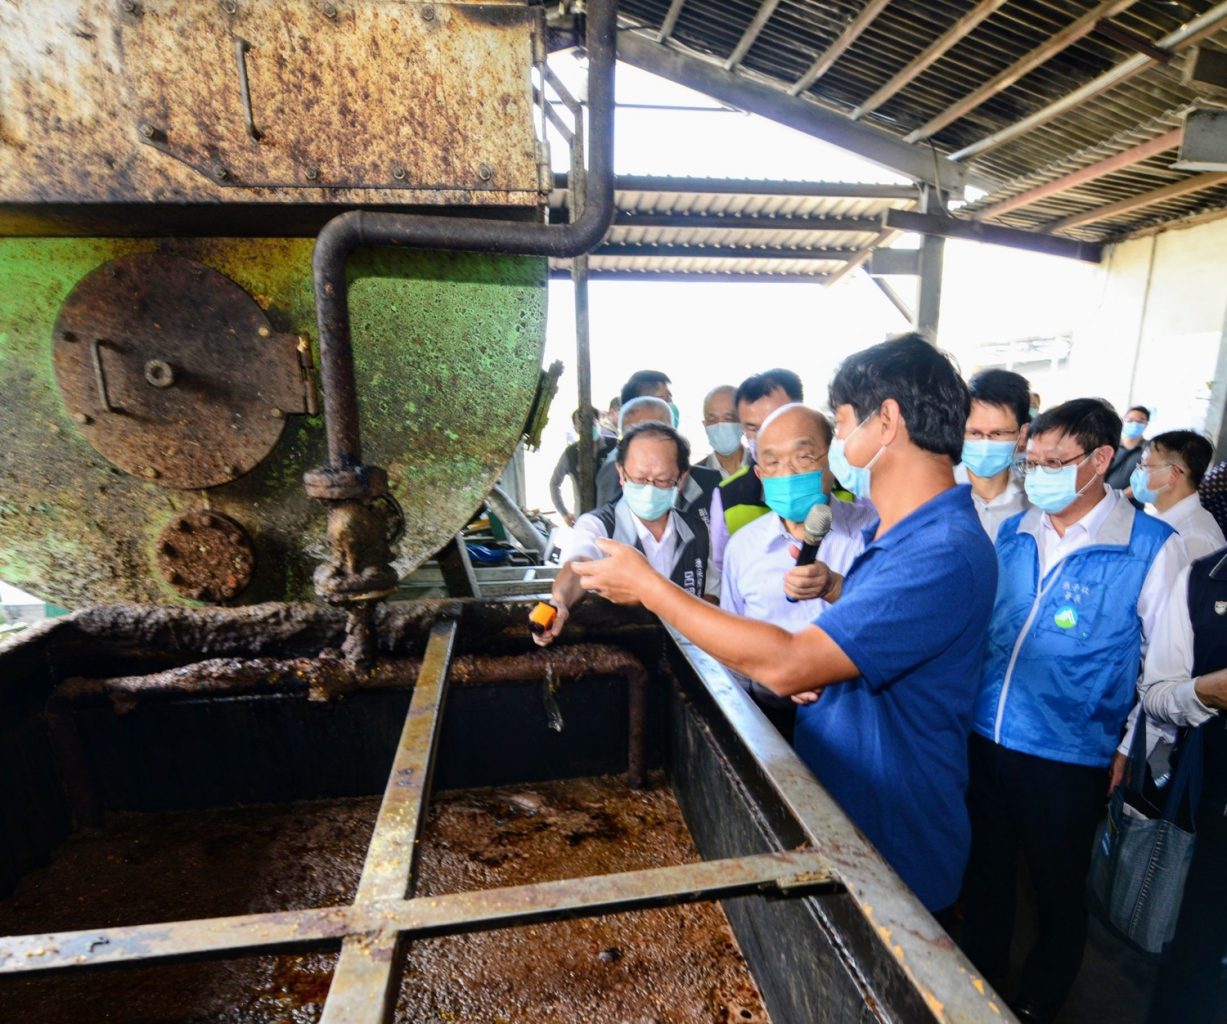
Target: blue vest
1063	655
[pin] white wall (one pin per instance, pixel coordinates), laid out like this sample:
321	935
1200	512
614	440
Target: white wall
1158	335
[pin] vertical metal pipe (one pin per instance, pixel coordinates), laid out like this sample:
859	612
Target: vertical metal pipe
929	282
583	369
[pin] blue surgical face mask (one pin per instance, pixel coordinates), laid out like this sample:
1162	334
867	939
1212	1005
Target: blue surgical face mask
855	478
1133	429
676	413
1034	410
1054	492
988	458
647	502
791	497
725	438
596	431
1139	483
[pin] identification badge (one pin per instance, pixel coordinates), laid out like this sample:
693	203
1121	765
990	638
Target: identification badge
1220	607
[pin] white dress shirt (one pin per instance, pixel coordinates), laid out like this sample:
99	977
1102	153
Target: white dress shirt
1197	527
757	558
993	513
1166	689
713	462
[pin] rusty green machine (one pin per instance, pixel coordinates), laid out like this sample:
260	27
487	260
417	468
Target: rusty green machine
263	259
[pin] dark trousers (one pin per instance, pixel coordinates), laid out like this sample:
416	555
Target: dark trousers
1047	811
1187	988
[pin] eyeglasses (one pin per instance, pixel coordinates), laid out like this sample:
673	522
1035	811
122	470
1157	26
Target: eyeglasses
1025	466
1150	467
798	462
710	421
990	435
664	485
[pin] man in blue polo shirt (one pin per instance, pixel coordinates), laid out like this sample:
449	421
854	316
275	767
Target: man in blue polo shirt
898	654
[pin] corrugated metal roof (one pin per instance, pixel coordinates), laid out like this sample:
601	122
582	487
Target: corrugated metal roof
727	228
1139	108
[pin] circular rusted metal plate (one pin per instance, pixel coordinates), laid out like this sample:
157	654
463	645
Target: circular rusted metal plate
206	556
170	369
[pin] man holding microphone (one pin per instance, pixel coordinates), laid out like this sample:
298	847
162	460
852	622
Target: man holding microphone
897	656
761	579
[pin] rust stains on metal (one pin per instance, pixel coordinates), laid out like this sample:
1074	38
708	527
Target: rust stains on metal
206	556
172	372
152	103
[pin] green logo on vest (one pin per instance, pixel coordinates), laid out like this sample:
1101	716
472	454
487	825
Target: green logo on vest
1066	617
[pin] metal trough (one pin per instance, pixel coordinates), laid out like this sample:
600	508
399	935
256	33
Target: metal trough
132	709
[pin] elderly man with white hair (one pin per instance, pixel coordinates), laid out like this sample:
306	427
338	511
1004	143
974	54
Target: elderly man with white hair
761	579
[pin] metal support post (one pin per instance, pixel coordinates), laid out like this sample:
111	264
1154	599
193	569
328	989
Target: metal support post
929	283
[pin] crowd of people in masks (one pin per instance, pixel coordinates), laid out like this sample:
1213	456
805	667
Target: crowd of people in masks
1002	591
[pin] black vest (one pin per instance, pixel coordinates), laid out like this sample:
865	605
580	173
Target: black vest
1208	614
694	542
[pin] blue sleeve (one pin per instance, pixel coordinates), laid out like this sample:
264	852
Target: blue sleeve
898	613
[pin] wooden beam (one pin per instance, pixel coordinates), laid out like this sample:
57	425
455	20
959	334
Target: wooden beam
1164	142
1022	67
1188	34
1173	191
993	234
962	28
751	34
839	47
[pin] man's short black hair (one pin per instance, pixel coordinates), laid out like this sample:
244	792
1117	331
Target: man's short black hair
1092	422
657	430
1004	388
1193	450
762	384
924	381
642	382
1139	408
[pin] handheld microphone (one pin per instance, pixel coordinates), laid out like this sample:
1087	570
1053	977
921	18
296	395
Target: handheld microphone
817	525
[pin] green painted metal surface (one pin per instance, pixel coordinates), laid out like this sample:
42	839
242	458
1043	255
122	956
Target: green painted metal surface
448	348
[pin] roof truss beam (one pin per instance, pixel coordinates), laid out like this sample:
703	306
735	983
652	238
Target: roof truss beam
934	52
670	22
1033	241
751	34
740	91
1197	183
1155	146
839	47
1188	34
1079	29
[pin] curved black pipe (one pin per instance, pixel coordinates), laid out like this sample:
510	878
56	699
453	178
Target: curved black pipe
357	228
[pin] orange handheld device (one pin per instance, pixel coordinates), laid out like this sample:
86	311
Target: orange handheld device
542	617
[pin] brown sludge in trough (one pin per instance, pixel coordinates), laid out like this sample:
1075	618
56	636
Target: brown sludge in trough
677	965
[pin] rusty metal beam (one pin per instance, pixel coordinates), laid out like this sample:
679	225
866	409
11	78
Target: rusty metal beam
1160	144
1033	241
1022	67
1180	188
783	874
1199	28
929	56
826	60
367	976
751	33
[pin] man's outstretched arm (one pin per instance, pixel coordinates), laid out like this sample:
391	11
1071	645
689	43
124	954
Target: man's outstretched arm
784	662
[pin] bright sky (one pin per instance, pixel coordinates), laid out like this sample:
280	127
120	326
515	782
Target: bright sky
702	334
